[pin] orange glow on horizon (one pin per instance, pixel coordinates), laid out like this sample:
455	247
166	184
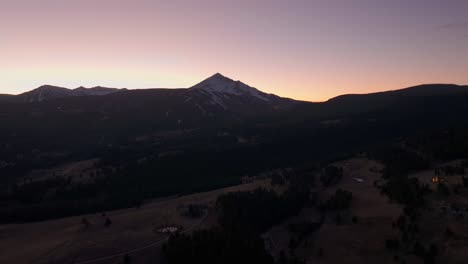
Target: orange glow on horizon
305	50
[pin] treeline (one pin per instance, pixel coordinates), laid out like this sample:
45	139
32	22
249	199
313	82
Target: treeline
255	212
331	175
399	160
216	246
58	197
406	191
57	209
340	200
446	144
243	217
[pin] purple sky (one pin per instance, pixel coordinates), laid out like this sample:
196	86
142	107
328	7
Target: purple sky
310	50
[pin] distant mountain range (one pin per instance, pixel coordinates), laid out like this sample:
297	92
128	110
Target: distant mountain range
217	100
214	96
49	92
221	89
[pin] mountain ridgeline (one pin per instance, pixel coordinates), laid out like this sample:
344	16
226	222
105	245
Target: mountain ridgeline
148	143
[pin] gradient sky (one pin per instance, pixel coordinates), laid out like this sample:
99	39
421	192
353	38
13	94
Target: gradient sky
304	49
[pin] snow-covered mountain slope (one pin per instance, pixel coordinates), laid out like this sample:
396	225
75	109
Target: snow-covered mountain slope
223	91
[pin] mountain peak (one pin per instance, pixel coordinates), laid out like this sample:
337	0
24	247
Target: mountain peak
220	87
216	79
218	76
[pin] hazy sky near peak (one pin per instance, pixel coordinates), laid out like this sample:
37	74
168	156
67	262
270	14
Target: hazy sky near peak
304	49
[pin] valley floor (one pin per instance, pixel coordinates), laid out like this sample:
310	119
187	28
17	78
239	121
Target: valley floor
133	231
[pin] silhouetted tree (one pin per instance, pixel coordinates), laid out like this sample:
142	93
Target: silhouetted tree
338	219
443	189
339	201
108	222
85	222
331	175
320	252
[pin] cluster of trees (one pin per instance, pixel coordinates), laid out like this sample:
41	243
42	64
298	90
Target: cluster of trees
215	246
443	189
256	211
465	181
194	210
331	175
58	197
407	226
243	217
410	240
449	170
442	144
405	190
428	254
86	223
303	228
284	259
399	160
304	176
278	179
340	200
33	191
